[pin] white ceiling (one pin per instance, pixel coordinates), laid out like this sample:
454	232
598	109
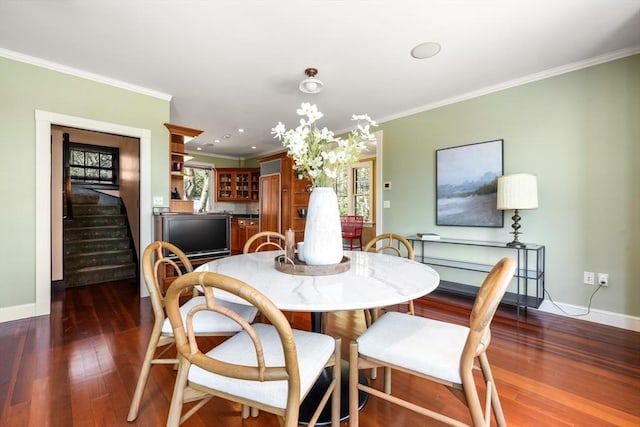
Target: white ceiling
230	64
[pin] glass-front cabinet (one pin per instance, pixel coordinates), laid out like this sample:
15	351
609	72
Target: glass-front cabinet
237	185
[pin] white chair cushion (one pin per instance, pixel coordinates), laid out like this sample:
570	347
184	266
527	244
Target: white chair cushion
211	322
423	345
314	350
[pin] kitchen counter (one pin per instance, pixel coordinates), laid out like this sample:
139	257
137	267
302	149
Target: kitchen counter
230	214
245	216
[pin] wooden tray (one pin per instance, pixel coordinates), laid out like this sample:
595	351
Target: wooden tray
299	268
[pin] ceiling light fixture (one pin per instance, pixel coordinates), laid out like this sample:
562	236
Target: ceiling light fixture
311	84
426	50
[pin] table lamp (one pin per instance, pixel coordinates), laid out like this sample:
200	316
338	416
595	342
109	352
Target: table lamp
517	191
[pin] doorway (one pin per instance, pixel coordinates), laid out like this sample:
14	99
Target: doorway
43	122
105	168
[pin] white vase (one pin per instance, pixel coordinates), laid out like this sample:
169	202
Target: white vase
323	232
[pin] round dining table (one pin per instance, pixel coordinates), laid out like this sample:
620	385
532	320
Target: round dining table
371	280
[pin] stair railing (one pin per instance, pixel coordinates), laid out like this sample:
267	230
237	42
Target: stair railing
68	216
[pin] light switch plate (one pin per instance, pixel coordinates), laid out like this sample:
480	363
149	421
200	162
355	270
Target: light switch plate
158	200
386	204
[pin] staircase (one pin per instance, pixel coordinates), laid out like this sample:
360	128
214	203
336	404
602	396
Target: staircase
97	244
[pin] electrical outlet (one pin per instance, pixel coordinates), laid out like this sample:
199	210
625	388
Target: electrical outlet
589	278
603	279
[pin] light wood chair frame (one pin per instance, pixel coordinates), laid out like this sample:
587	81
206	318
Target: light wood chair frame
154	259
190	353
272	241
486	303
389	242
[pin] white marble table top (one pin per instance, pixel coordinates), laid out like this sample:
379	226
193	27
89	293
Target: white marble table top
373	280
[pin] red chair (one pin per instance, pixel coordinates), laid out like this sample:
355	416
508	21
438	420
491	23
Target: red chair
352	231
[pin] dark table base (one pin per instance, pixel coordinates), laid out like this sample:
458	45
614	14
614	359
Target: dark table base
310	403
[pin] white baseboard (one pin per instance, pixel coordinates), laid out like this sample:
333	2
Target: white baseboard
17	312
618	320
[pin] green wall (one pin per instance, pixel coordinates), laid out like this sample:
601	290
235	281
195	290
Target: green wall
580	134
25	88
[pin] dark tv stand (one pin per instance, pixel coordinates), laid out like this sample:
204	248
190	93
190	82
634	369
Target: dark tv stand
183	230
168	274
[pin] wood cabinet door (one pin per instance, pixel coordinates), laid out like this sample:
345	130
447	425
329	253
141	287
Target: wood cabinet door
224	186
236	245
251	228
270	203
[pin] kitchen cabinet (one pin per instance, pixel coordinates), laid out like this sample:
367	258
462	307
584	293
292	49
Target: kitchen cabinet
284	197
177	157
237	185
241	230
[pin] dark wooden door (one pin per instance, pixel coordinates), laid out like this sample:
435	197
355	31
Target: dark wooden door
270	203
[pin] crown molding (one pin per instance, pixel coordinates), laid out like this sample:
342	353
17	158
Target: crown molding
552	72
54	66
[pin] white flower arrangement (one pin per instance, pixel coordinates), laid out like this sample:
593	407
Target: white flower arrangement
317	153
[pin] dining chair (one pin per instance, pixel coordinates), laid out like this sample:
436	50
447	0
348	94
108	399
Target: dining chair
161	255
393	244
264	241
436	351
270	367
352	231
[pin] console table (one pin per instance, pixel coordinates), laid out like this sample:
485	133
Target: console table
460	254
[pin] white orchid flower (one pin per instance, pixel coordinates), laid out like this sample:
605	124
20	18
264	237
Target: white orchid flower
317	152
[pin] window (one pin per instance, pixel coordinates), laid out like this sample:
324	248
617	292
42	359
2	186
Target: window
93	165
197	186
354	188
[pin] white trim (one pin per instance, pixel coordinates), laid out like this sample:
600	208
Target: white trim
618	320
612	56
379	209
43	122
39	62
16	312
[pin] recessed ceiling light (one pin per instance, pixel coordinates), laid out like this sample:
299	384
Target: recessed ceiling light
240	130
216	140
253	147
199	148
426	50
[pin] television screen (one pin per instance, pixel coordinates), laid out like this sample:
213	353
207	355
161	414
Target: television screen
198	234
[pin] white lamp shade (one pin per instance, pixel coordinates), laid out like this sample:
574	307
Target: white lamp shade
517	191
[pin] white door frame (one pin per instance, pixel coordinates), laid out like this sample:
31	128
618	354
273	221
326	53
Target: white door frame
379	189
44	120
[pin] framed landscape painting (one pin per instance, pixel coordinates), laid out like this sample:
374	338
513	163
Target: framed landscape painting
466	185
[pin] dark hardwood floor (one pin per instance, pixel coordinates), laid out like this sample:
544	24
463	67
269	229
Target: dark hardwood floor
79	366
